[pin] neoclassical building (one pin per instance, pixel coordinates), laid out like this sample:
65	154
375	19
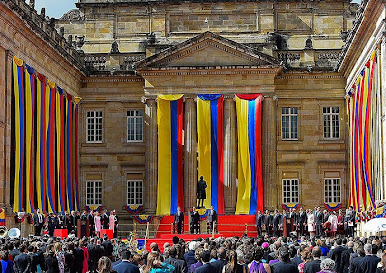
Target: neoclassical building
120	56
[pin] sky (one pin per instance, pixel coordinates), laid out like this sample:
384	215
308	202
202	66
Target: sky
56	8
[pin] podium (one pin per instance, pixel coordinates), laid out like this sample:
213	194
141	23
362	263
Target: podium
62	233
108	232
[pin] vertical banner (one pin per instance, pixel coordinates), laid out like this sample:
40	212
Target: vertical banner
29	129
50	145
40	173
362	137
210	129
170	178
76	110
18	91
69	152
60	171
250	179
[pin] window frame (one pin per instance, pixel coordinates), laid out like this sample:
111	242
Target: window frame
330	116
290	115
135	123
94	192
291	196
94	118
333	195
135	192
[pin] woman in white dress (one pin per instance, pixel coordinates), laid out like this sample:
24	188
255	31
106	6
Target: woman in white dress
311	223
333	219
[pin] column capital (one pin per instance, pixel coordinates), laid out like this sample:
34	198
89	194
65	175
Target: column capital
148	99
228	97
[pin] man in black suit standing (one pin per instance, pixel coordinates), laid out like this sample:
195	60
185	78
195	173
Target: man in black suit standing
195	221
356	262
179	265
301	221
206	266
276	222
314	265
38	220
284	265
268	222
370	262
179	220
105	220
349	221
51	224
259	222
125	266
336	254
22	260
318	222
221	262
212	220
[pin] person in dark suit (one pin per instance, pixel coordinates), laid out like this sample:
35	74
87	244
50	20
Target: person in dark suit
51	224
284	265
74	221
346	254
38	222
286	220
79	258
22	260
51	263
355	262
179	220
301	221
195	221
105	220
370	262
349	221
268	222
318	222
221	262
259	222
206	266
212	219
276	222
336	254
179	265
314	265
125	266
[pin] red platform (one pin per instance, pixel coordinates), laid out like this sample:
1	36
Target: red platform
62	233
108	232
228	226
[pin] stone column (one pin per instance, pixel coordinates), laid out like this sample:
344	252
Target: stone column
5	131
269	141
230	154
190	153
151	155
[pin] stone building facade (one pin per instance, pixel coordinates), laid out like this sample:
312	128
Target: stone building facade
130	51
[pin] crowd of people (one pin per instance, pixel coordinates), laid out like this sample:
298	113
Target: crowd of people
89	222
262	254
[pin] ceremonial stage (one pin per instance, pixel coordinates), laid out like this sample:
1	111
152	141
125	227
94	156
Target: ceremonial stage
228	226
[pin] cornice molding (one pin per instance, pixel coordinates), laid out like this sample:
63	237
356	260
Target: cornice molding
110	79
309	76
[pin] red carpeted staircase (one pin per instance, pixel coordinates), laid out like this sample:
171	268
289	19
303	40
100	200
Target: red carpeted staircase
228	226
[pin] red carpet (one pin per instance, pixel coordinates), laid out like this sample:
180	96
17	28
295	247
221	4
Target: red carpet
228	226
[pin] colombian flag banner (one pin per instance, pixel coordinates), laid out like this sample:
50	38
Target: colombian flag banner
40	162
18	91
69	152
170	168
50	145
250	179
60	171
29	128
210	129
363	134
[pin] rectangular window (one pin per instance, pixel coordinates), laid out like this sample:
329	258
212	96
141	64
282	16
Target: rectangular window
134	125
290	191
332	190
134	192
94	193
94	126
331	122
289	123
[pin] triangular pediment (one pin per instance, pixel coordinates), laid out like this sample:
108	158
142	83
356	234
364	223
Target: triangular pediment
208	50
